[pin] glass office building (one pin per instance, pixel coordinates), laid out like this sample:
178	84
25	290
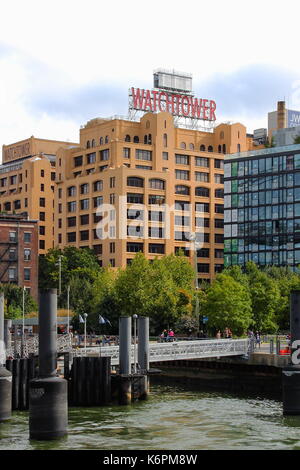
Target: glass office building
262	207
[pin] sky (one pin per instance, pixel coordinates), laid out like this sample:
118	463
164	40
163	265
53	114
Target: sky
65	62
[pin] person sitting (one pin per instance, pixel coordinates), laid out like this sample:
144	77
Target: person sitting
171	335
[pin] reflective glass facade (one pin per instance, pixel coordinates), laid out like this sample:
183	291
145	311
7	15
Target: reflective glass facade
262	207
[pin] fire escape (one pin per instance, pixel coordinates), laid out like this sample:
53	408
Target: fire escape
8	256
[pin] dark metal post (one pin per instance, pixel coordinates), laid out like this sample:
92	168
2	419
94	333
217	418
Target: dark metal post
125	360
143	354
48	405
5	375
271	346
291	373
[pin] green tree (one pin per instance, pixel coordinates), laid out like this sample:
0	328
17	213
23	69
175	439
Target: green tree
228	304
297	139
13	301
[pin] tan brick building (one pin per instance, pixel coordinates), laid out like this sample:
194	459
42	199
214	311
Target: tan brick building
27	181
150	185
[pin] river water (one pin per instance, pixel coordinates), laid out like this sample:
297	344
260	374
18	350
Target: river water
173	418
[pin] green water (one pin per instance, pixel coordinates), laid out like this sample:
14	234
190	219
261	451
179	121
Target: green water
172	418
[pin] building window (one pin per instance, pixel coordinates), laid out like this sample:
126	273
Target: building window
191	147
156	232
112	247
27	237
143	154
202	148
201	176
182	145
12	274
72	206
202	161
156	184
136	139
97	201
155	199
97	249
219	193
84	235
112	262
98	185
202	222
203	253
127	138
182	159
181	189
219	208
26	274
13	254
203	192
210	148
84	219
182	220
158	248
219	223
219	179
106	139
27	254
134	247
71	221
143	167
42	230
42	202
135	231
135	198
219	163
84	204
42	173
42	244
104	155
219	268
165	156
71	191
112	182
84	188
219	254
88	144
182	174
91	158
71	237
219	238
17	204
126	152
13	179
135	181
203	267
165	140
7	206
78	161
112	199
202	207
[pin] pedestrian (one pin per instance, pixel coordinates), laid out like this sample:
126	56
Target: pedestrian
165	333
171	335
229	333
218	335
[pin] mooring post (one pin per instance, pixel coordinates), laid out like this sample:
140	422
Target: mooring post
291	373
48	405
143	354
5	375
125	360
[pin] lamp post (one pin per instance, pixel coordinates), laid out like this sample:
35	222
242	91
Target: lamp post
85	317
195	245
134	350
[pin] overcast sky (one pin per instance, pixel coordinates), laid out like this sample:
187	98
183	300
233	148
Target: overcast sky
64	62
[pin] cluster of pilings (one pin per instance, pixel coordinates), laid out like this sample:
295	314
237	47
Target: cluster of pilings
33	383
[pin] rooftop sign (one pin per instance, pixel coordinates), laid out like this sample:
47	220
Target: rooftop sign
180	105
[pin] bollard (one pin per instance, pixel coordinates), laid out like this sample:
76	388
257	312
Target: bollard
277	346
271	346
143	355
125	360
291	373
5	375
48	406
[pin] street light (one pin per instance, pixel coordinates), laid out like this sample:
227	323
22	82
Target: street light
85	317
196	245
134	329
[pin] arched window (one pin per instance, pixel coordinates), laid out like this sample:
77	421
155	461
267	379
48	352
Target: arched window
101	141
219	148
135	181
191	146
165	140
239	147
127	138
224	148
93	143
156	183
88	144
106	139
182	189
136	139
149	139
203	192
145	139
202	148
210	148
183	145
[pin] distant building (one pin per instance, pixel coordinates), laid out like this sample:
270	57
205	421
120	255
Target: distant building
260	136
19	252
286	136
283	118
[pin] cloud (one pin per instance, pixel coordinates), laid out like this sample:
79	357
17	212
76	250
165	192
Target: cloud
251	91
